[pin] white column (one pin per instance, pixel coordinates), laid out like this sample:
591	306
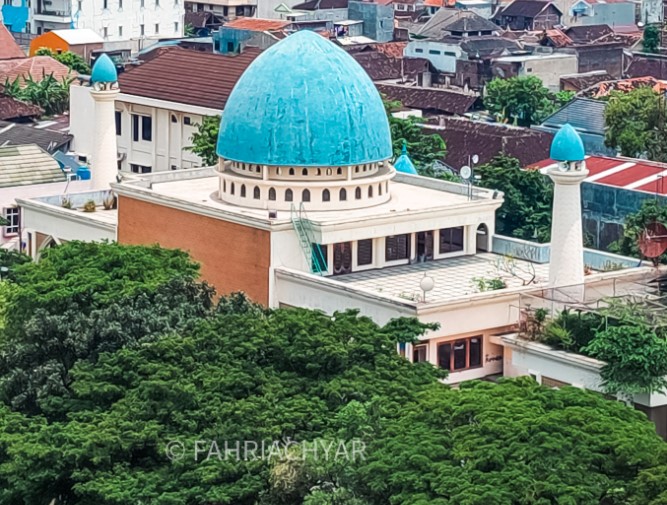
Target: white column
104	164
567	245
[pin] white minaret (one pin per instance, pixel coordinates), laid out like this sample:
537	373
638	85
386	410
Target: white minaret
104	90
567	245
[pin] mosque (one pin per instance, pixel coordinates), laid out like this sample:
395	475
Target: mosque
307	208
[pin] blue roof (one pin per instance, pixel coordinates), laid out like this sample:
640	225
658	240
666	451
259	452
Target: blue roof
567	145
104	70
403	163
304	102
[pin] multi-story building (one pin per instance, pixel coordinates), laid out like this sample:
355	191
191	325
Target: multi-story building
113	20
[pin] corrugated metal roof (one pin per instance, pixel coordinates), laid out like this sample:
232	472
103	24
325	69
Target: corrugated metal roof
626	173
79	36
582	113
26	165
13	134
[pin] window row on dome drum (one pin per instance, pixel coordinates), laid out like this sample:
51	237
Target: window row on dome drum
306	171
305	194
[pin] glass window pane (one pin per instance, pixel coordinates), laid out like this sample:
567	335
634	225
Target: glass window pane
460	351
445	356
475	351
365	252
419	353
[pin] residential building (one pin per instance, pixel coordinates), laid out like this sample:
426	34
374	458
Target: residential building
378	20
429	100
160	106
82	41
529	15
8	47
582	81
321	218
385	62
35	68
27	171
597	12
484	8
229	9
327	10
110	20
587	116
39	134
547	66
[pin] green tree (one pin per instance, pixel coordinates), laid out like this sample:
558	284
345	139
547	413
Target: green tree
472	447
635	359
651	211
48	93
11	259
526	211
67	58
205	139
189	30
651	39
520	100
563	97
82	299
635	123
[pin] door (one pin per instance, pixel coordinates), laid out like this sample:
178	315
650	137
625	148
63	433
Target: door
342	260
424	246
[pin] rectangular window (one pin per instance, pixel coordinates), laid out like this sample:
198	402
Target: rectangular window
146	128
157	28
13	215
418	50
105	4
135	128
118	123
433	51
461	354
142	29
397	247
120	31
365	252
105	32
451	239
79	5
176	26
419	354
449	53
140	169
120	4
187	120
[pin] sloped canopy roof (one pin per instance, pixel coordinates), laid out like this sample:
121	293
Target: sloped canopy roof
24	165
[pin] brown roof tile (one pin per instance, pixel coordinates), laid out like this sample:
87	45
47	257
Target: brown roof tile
36	67
381	67
10	108
258	25
191	77
8	46
584	81
465	137
434	99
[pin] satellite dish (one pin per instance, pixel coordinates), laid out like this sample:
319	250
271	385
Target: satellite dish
465	172
475	159
653	241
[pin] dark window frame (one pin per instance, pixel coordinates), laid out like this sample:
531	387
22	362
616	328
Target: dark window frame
473	354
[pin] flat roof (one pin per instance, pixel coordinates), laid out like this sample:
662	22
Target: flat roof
409	194
453	277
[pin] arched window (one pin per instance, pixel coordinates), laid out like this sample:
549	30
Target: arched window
232	190
357	193
329	171
370	191
291	171
255	193
304	171
272	194
289	196
326	196
380	189
242	190
305	196
279	171
339	171
257	169
342	196
356	170
319	171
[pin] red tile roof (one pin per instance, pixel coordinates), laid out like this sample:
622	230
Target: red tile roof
604	89
8	46
190	77
258	25
36	67
447	101
626	173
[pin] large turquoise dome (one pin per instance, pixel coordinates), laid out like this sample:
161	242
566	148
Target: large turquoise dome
304	102
567	145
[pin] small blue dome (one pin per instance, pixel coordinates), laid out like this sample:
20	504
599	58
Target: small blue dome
304	102
104	70
403	163
567	145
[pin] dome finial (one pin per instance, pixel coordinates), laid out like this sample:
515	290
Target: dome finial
567	145
104	71
403	163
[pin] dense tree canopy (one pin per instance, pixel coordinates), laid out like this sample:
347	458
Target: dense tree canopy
651	211
47	92
521	100
635	122
123	404
526	212
67	58
651	39
82	299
